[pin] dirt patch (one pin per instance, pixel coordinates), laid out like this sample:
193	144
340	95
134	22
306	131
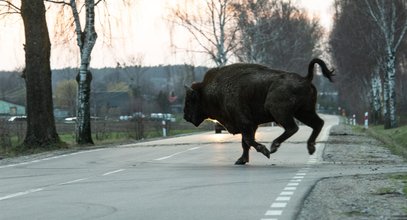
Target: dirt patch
378	196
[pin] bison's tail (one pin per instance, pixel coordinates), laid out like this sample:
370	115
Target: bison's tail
325	71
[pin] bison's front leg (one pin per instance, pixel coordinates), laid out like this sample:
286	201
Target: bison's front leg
248	138
245	156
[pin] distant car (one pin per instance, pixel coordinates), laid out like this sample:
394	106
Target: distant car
218	128
72	120
162	116
18	118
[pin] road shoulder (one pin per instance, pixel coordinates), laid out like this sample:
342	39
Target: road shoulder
381	195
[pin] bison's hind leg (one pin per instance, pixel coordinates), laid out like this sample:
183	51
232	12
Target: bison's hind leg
311	119
290	128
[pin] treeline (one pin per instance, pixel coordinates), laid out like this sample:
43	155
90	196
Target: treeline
146	82
368	44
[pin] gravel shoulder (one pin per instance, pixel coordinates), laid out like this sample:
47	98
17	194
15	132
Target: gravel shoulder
374	196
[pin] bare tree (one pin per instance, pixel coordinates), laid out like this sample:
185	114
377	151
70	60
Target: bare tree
252	17
215	30
392	25
37	74
276	33
41	129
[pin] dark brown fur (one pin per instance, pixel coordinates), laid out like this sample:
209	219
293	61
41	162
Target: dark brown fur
242	96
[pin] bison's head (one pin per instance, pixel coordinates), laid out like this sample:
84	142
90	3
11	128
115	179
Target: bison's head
193	108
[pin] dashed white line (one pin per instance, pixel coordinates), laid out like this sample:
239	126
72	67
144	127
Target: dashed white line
174	154
278	205
48	158
293	184
283	198
20	193
274	212
288	188
286	193
112	172
298	177
73	181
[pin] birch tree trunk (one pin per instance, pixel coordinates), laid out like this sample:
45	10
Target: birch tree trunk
386	15
391	117
376	96
41	129
86	40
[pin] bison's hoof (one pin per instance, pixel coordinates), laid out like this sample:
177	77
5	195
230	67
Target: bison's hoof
241	161
263	149
311	148
274	147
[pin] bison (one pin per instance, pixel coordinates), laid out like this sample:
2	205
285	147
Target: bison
243	96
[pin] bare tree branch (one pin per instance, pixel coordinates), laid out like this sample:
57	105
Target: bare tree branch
58	2
214	31
98	2
12	8
78	27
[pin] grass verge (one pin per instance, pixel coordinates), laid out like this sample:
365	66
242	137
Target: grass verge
395	139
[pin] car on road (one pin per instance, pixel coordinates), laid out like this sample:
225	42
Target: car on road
18	118
218	127
71	120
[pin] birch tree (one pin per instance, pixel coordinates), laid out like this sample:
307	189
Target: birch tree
215	30
86	38
376	95
392	29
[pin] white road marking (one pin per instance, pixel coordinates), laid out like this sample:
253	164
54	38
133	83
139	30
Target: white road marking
48	158
293	184
278	205
174	154
112	172
274	212
283	198
73	181
20	194
290	188
286	193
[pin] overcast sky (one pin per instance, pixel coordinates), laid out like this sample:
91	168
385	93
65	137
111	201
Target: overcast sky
136	30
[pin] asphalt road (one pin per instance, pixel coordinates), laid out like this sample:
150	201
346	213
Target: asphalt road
189	177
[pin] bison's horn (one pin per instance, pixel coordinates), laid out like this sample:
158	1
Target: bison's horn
188	89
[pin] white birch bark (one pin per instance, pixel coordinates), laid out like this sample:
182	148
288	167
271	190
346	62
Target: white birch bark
86	40
384	15
376	95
